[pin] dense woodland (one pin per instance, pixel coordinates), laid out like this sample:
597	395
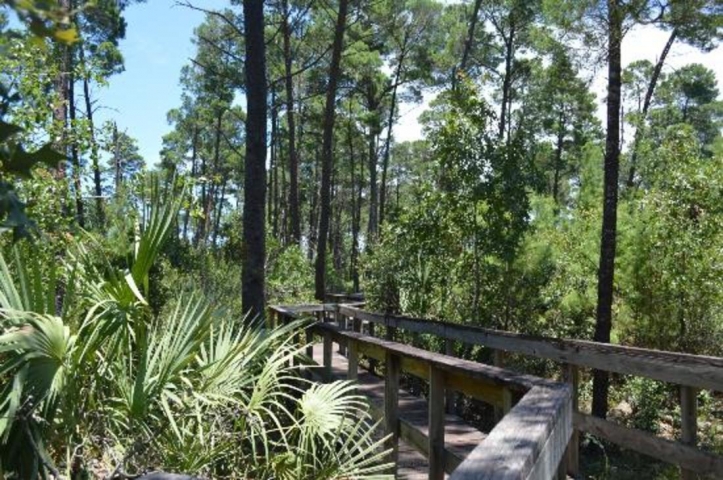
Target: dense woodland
521	209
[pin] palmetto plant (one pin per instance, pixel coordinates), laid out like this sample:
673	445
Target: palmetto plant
94	382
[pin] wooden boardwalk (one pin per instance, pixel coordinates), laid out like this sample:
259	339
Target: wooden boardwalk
460	438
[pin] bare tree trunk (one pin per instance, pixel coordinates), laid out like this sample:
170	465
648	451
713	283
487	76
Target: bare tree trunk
208	207
373	225
314	207
507	81
355	210
254	236
94	155
390	125
219	211
558	161
646	106
60	110
327	150
270	190
194	148
117	160
468	42
606	271
294	218
74	153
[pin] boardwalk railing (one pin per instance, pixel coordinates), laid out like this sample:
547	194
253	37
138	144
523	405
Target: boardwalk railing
690	372
528	443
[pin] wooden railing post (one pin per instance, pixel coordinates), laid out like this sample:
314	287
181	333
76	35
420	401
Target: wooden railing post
450	394
372	362
688	422
391	407
309	343
353	359
327	356
498	359
341	322
436	424
572	376
391	332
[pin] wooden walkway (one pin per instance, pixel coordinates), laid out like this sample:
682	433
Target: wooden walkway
460	438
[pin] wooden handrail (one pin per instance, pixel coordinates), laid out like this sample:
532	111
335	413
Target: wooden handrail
680	368
690	372
529	442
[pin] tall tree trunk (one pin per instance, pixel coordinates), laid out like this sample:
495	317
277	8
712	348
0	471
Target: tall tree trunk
327	150
606	271
355	209
194	149
646	106
275	151
117	160
60	109
373	225
294	216
74	153
558	161
254	235
208	207
94	155
507	81
282	196
204	193
219	211
468	41
390	126
270	190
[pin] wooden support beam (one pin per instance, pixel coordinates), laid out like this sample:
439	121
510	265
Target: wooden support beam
669	451
353	360
391	407
327	356
688	424
572	377
498	360
310	343
436	424
451	395
372	362
341	322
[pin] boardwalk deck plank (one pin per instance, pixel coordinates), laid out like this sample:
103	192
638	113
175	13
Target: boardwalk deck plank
460	438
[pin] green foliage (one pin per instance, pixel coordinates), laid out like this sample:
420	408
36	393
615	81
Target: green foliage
674	289
290	275
188	387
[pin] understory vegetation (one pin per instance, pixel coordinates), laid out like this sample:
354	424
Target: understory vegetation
552	189
104	372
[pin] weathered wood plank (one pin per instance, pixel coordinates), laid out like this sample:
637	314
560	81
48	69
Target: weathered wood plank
473	370
688	370
688	423
353	359
683	369
451	395
391	405
528	443
341	322
675	453
310	343
572	377
436	424
327	356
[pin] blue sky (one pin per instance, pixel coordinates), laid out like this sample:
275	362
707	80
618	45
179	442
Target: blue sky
157	45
